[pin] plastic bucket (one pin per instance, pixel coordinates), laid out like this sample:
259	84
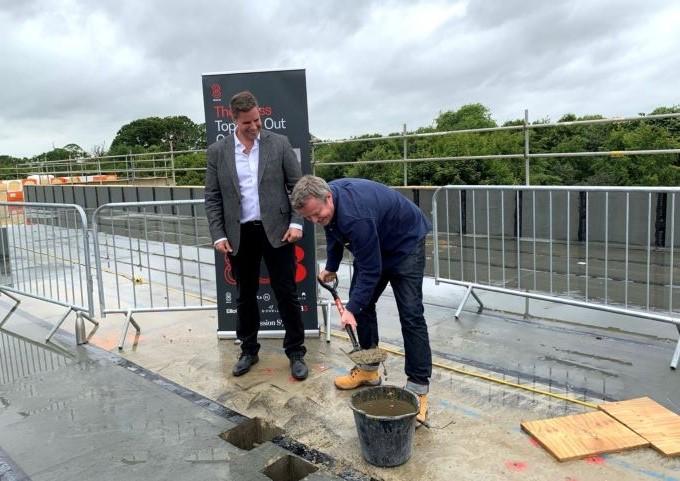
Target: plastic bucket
386	440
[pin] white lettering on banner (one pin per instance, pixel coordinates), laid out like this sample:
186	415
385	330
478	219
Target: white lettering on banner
223	126
229	127
230	311
271	323
270	123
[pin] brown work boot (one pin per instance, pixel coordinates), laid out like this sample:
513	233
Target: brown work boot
421	417
358	377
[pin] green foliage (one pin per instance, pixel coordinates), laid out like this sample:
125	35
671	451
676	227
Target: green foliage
158	133
455	157
471	116
184	168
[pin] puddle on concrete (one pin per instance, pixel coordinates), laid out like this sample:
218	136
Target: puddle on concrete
251	433
21	357
385	407
289	468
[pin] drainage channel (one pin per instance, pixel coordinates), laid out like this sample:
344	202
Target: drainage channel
249	433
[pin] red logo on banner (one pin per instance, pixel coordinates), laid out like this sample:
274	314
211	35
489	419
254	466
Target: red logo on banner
228	276
216	91
300	269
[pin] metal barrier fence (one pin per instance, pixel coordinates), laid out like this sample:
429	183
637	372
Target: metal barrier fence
44	254
154	256
583	246
157	257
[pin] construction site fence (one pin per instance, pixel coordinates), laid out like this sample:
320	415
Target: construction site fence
594	247
45	254
606	248
153	257
162	165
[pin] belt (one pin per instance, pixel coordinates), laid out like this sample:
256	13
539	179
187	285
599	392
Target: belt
253	223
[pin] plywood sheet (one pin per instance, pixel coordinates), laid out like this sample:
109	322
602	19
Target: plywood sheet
652	421
582	435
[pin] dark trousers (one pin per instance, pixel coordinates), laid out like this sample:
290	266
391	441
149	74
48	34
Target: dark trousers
280	263
406	280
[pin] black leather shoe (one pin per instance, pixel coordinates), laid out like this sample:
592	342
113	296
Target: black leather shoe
244	364
298	368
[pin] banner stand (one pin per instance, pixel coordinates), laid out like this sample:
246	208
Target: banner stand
282	99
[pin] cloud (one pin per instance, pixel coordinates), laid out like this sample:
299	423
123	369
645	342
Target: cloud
78	70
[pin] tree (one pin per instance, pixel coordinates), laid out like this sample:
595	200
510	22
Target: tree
470	116
184	162
158	132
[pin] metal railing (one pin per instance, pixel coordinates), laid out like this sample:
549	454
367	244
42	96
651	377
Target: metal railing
583	246
44	254
126	167
525	155
162	164
152	257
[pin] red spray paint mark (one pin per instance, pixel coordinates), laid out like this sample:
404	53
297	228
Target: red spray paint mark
320	368
516	466
534	442
595	460
268	370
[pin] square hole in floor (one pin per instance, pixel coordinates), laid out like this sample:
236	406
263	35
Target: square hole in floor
251	433
289	468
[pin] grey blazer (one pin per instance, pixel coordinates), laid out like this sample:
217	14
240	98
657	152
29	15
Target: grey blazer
278	172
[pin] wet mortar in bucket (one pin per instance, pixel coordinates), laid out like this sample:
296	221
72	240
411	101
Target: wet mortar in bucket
385	418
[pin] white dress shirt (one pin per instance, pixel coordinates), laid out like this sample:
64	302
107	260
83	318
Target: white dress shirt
246	168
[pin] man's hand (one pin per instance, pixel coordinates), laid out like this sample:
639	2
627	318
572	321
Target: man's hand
292	235
224	247
348	318
326	276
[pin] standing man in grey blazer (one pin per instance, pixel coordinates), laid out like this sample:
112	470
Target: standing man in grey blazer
249	177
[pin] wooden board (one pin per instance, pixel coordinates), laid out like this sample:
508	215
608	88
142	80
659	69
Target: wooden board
582	435
652	421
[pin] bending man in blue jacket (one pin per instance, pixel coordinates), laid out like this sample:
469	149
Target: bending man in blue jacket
385	232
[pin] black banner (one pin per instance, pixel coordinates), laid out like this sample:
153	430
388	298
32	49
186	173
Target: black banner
282	98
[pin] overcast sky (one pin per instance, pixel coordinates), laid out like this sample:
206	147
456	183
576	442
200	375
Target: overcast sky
77	70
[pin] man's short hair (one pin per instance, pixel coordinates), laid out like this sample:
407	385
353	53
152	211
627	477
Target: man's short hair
308	186
242	102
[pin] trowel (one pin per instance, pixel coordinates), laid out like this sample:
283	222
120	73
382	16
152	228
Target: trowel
357	355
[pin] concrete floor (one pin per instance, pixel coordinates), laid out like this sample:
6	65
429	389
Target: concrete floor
475	430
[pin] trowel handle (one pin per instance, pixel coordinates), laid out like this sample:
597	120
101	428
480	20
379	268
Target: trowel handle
352	336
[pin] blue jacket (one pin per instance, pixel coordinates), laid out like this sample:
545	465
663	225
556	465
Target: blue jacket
378	225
